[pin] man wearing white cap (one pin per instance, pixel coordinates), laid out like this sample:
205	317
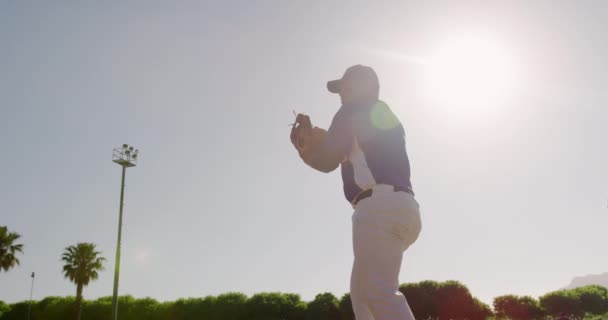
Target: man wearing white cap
367	141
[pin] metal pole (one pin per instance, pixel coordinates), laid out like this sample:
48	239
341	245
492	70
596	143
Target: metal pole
117	265
29	308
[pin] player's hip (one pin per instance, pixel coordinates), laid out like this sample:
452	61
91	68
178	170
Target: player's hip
389	212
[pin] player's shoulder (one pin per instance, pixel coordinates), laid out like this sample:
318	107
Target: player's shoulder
377	117
382	117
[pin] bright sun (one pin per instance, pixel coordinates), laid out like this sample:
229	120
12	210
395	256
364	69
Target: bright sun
469	73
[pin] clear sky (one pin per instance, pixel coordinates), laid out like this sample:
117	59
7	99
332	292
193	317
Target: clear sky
513	185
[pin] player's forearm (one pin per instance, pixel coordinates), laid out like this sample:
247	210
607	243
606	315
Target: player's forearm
317	155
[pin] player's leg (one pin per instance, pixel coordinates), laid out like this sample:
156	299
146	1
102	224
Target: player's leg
378	230
357	296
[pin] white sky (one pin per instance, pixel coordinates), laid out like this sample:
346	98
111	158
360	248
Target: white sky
513	194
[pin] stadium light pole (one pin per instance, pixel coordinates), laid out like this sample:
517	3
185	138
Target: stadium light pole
126	157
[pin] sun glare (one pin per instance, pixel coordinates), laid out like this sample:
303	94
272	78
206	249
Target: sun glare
469	73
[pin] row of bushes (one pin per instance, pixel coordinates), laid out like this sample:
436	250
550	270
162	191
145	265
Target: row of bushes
428	300
590	302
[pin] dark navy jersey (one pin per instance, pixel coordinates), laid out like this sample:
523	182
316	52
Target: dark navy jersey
371	140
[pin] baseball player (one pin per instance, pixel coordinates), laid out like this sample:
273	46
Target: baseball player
367	141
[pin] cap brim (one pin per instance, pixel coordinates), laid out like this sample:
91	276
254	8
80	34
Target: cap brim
334	86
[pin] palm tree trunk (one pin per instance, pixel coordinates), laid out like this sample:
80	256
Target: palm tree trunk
78	307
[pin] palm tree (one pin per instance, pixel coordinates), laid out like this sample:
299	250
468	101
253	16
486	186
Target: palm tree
8	249
82	263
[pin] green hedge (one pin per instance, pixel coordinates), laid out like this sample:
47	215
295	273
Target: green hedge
428	300
445	300
581	302
589	302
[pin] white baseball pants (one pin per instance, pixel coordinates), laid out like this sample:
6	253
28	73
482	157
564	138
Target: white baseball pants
384	226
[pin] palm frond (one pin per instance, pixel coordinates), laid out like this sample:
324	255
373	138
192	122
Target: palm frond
9	249
82	263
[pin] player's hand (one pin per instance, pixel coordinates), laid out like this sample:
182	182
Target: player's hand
300	131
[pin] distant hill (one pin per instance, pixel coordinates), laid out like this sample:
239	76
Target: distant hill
599	279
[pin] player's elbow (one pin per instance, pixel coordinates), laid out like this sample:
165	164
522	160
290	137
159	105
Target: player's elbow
327	168
322	166
323	161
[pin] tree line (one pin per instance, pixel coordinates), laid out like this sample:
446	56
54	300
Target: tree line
429	300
